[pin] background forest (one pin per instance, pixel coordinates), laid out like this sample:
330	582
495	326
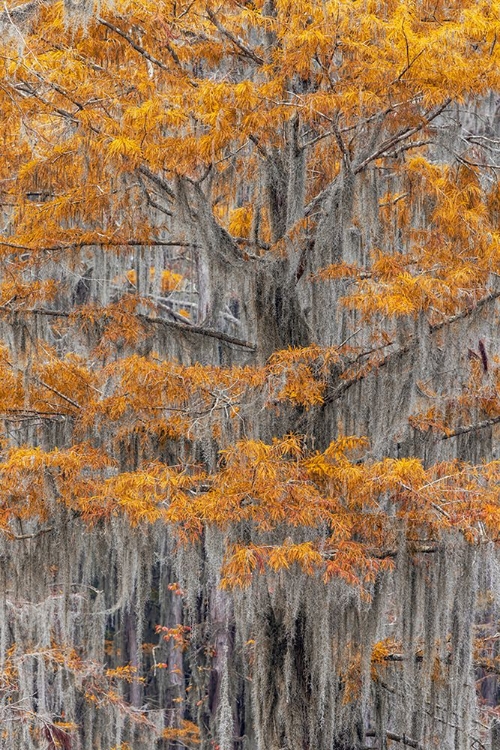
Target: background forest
249	375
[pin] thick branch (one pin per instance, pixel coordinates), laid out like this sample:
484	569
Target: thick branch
157	180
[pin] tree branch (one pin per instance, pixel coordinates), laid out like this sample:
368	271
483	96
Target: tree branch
184	327
138	48
21	14
411	342
234	39
401	738
20	537
58	393
157	180
210	332
111	243
403	135
471	428
468	311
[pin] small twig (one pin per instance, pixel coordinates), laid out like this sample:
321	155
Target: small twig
440	510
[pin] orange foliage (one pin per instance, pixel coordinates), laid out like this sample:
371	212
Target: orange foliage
90	119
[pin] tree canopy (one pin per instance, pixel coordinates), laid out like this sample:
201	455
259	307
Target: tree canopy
249	382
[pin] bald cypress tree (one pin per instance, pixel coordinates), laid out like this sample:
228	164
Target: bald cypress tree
249	378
